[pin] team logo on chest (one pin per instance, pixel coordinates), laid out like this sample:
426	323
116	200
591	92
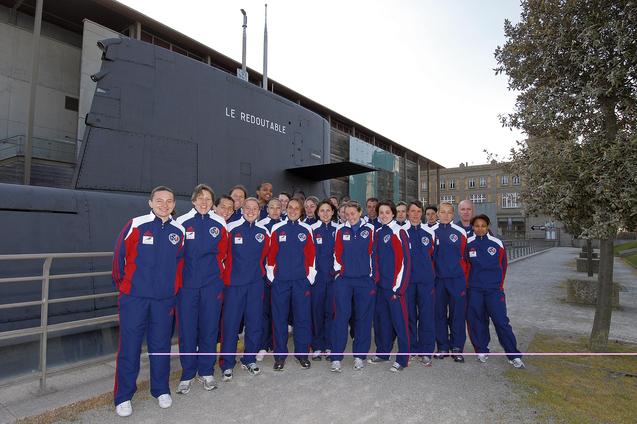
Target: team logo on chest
174	238
346	236
425	240
259	237
282	236
364	234
386	238
302	237
214	231
492	250
453	238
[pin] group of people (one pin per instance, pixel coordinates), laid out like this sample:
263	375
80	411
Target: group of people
260	264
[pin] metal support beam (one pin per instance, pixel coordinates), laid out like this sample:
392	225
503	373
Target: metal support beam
35	58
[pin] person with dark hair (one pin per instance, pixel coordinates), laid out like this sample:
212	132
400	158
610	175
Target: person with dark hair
401	213
238	194
334	201
224	207
391	273
421	290
487	261
291	269
431	215
147	272
243	293
264	194
372	212
284	197
353	286
200	299
323	231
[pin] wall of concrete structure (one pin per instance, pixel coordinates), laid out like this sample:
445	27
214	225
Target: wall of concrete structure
58	79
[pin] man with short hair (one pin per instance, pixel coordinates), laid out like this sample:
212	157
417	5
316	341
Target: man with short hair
264	194
147	272
431	215
465	210
372	212
238	194
401	213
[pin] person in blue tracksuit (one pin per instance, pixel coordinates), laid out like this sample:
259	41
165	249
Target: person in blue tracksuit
264	194
322	290
421	292
487	261
391	274
200	299
243	294
238	194
354	289
274	217
401	213
291	269
147	271
451	284
465	212
224	208
431	215
311	206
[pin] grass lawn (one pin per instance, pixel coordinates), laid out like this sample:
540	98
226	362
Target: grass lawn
622	247
579	389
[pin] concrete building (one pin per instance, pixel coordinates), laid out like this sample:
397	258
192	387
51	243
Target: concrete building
68	56
496	193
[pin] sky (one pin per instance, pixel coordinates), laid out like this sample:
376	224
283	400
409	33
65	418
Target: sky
419	72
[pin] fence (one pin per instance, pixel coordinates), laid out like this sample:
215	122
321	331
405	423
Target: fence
519	248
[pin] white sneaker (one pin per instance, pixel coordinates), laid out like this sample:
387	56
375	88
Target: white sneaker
396	367
261	355
227	375
165	401
208	382
336	366
124	409
482	357
517	363
426	360
184	387
316	355
358	364
252	368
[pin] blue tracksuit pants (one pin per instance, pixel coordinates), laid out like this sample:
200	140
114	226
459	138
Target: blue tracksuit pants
198	312
266	326
292	296
485	304
451	305
421	307
362	291
139	316
391	311
244	302
319	312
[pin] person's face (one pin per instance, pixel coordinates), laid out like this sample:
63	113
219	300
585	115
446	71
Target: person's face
466	211
415	214
203	202
385	214
352	215
162	204
274	210
225	209
401	213
325	213
445	213
284	201
371	209
431	216
341	214
294	210
310	208
238	198
334	201
251	211
480	227
265	193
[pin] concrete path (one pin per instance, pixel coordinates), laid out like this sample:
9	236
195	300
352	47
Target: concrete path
445	393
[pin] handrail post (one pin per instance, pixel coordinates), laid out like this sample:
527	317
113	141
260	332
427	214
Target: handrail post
44	320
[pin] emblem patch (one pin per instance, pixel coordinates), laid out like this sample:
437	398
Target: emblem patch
386	238
492	250
190	235
214	231
346	237
453	238
174	238
259	237
319	240
302	237
473	253
364	234
425	240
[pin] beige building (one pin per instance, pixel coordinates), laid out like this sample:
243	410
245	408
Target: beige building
495	193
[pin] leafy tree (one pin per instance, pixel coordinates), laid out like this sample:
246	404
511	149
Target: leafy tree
574	64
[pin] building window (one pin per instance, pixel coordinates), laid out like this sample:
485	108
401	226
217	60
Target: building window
446	199
483	182
515	180
71	103
442	184
452	184
472	183
509	200
478	198
504	180
424	186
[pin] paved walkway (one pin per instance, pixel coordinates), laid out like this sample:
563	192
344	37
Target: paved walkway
446	392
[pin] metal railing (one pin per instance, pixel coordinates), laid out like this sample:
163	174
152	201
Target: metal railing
45	328
43	148
518	248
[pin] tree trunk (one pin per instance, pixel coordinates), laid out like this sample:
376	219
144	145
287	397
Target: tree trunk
589	257
603	310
